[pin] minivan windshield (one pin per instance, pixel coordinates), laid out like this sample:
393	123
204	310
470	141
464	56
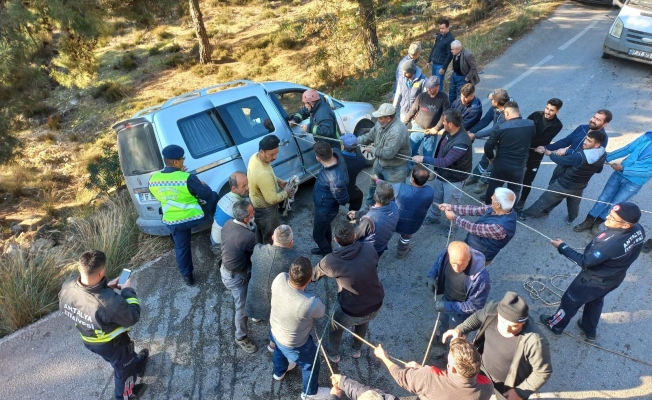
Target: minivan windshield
641	3
139	152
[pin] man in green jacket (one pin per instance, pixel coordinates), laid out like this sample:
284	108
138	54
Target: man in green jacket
515	356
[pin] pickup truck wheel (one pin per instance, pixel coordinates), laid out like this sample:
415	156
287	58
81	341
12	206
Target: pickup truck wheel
363	128
605	55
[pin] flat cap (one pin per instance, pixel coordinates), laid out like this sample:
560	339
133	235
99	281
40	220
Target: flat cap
269	142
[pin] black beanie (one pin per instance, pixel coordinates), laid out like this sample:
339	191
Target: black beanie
628	212
513	308
269	142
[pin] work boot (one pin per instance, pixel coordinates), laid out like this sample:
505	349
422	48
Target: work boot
189	279
137	391
595	229
589	337
481	188
472	180
647	246
247	345
545	320
143	357
518	207
402	252
585	225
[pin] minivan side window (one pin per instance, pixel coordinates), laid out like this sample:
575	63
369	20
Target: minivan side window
246	119
203	134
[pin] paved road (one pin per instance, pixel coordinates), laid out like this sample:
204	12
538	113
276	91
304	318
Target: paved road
190	330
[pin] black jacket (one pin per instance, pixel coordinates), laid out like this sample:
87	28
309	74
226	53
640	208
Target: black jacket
100	314
606	259
322	122
441	51
577	176
512	140
464	164
331	186
543	136
355	267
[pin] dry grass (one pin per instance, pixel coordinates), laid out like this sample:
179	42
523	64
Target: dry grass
15	178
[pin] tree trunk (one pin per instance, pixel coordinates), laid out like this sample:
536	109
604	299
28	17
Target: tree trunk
202	37
368	22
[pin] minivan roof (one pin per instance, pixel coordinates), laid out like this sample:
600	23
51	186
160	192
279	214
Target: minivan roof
271	86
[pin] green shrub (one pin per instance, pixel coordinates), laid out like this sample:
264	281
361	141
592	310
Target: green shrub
105	171
269	14
203	70
161	33
127	62
110	91
29	283
175	60
152	51
286	43
174	48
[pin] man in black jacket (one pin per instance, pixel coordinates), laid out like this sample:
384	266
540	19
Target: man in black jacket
441	54
604	266
547	126
322	118
511	140
360	294
103	317
570	178
515	355
355	162
330	192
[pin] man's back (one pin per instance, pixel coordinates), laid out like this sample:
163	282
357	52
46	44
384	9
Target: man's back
431	383
413	203
512	140
355	162
238	244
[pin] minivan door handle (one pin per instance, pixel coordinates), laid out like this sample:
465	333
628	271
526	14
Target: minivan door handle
284	142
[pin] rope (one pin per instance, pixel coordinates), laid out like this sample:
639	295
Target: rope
434	330
293	184
364	341
314	361
535	288
323	352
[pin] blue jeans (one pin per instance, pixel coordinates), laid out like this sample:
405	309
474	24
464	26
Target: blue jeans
121	355
238	284
429	142
181	235
435	72
304	356
322	233
617	190
454	86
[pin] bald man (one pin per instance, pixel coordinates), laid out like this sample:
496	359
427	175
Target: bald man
461	283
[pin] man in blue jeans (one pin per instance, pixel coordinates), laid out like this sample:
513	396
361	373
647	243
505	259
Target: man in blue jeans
465	69
292	318
440	54
628	178
330	192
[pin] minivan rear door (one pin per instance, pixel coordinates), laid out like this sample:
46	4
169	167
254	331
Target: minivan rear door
248	122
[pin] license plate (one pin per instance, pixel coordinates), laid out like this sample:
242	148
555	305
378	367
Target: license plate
639	53
143	197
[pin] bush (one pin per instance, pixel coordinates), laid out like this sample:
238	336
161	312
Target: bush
110	91
105	171
54	123
153	51
174	48
112	229
286	43
203	70
29	283
161	33
17	178
127	62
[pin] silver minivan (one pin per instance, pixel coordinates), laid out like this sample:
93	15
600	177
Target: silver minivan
630	36
219	128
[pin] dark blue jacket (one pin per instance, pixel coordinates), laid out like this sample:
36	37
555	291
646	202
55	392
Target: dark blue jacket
355	162
331	187
491	247
471	114
492	115
323	122
476	283
413	203
574	140
384	220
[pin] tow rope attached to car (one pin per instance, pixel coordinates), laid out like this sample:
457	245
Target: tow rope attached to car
293	185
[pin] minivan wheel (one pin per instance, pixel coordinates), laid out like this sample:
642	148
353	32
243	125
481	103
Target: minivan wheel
361	129
605	55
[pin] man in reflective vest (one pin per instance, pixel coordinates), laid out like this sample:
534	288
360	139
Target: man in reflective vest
103	318
185	202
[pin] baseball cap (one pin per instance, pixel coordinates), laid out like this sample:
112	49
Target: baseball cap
432	82
385	110
349	140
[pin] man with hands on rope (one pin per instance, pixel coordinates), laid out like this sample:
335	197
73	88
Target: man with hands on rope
495	227
322	118
604	264
460	381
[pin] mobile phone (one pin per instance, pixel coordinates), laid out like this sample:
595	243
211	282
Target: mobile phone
124	276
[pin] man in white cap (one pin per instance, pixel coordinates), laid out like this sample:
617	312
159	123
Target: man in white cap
425	114
390	145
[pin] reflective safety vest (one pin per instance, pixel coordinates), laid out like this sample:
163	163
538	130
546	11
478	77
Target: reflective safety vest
178	204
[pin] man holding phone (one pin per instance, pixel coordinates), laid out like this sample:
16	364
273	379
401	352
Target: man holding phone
103	317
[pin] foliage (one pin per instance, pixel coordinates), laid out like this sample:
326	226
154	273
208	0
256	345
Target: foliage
105	171
110	91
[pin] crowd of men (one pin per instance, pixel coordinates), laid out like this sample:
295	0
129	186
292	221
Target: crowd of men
268	278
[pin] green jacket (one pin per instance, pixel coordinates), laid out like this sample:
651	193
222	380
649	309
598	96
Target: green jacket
388	142
531	366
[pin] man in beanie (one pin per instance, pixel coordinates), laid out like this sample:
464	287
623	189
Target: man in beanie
604	265
184	206
390	146
355	162
410	84
322	118
515	356
266	191
414	52
426	113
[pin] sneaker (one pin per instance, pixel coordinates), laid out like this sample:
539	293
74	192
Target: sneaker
589	338
431	220
522	217
647	246
247	345
137	391
356	353
316	251
323	393
143	356
402	254
569	221
481	188
256	320
545	320
291	366
271	346
189	279
585	225
334	359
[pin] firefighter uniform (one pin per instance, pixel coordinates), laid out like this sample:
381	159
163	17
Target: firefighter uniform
103	318
604	266
186	203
